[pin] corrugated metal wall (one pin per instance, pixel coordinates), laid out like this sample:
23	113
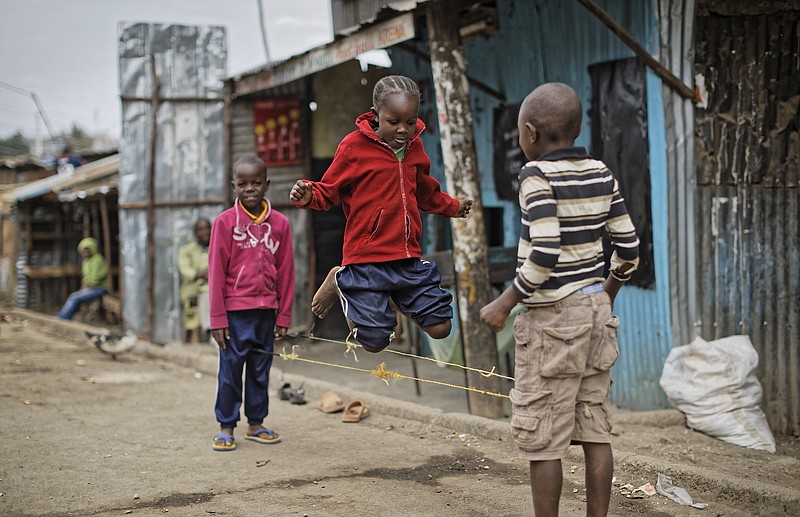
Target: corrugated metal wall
557	41
747	215
242	133
190	63
676	20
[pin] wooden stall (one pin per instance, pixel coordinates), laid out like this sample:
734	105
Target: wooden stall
43	222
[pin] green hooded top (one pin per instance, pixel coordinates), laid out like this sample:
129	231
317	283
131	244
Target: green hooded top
94	268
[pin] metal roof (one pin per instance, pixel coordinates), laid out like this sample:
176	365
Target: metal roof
21	160
391	24
68	185
351	16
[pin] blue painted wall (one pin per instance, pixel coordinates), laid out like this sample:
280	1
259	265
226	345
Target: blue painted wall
554	40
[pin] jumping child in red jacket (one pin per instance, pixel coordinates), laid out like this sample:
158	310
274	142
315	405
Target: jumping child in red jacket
381	176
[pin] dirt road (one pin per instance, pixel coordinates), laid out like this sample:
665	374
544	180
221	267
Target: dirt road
85	435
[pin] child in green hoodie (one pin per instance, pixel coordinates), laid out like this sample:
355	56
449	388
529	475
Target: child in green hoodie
94	279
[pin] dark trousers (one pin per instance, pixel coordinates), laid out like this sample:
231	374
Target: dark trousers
252	333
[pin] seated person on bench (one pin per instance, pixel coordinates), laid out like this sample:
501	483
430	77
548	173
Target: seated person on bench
94	279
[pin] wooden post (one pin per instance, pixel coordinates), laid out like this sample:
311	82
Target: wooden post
30	284
95	220
86	223
10	248
151	197
470	251
227	150
106	240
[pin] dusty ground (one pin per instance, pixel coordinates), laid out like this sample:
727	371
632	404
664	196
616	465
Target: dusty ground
84	435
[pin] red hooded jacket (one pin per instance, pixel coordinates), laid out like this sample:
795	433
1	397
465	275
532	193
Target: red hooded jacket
381	196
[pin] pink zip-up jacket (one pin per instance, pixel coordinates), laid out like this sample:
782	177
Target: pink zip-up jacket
250	265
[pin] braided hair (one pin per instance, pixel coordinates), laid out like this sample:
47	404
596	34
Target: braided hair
394	85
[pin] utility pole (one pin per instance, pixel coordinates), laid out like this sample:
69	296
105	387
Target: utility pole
38	146
263	30
43	114
470	252
38	104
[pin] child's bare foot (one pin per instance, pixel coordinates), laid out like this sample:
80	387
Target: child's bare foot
326	295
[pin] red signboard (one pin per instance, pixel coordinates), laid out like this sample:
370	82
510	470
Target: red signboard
276	124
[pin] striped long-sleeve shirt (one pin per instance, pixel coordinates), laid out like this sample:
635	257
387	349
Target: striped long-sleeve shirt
566	199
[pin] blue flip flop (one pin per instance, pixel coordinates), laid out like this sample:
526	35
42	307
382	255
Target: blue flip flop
227	443
270	438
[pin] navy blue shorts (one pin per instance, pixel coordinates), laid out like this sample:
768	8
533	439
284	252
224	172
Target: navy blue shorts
413	285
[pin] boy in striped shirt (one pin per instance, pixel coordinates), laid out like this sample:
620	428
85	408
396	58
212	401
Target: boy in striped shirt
566	340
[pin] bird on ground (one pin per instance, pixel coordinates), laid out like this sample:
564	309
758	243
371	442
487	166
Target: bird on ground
112	343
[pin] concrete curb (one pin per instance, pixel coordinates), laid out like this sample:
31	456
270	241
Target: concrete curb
459	422
770	498
207	364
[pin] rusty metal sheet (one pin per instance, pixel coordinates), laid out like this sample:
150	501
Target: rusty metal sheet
748	235
748	76
749	253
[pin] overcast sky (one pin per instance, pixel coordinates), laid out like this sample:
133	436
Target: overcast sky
66	50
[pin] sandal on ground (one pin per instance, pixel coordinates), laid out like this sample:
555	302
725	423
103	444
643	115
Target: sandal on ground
355	411
330	403
264	436
223	442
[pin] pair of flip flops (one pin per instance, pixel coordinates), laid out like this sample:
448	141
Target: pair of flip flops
353	412
295	396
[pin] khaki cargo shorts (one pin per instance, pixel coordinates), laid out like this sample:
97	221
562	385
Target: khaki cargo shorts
564	353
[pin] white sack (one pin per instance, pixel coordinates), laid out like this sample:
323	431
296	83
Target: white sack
714	384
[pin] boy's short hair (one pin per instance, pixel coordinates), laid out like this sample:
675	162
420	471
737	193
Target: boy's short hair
250	159
555	110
